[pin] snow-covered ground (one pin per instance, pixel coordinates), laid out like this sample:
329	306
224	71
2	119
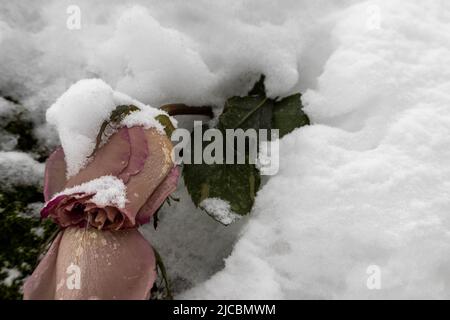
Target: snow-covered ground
366	185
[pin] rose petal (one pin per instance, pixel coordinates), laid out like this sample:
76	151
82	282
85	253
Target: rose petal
78	210
139	153
157	198
111	159
145	172
41	285
51	206
100	219
55	173
111	265
111	213
66	210
157	166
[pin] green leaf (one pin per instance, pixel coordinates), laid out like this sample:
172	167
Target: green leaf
247	112
259	89
288	115
117	115
238	183
235	183
120	112
166	123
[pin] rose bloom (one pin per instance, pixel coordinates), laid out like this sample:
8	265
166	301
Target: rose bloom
99	253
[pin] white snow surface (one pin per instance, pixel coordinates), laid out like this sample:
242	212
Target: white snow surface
367	184
6	107
220	210
79	113
107	191
13	274
19	168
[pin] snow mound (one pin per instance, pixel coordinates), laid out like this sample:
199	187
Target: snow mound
18	168
369	183
79	113
6	107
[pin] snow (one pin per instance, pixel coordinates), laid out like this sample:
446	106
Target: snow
220	210
13	274
33	210
38	232
18	168
6	107
190	242
7	141
79	113
146	118
366	184
107	191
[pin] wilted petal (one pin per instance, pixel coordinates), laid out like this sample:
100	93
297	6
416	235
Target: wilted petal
41	285
55	174
139	153
93	264
66	210
111	213
51	206
157	198
99	219
111	159
157	166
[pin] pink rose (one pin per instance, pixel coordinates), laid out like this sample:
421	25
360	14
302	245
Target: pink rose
102	240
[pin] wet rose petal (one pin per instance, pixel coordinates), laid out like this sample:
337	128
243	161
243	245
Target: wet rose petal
158	165
114	260
145	172
111	265
41	285
111	213
157	198
111	159
139	153
55	174
51	205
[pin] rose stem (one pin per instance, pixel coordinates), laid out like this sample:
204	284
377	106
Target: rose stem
176	109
